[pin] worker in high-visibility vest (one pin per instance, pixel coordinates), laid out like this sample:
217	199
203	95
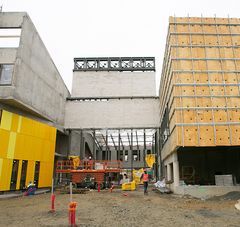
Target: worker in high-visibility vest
145	179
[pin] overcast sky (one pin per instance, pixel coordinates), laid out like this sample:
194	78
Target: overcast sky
95	28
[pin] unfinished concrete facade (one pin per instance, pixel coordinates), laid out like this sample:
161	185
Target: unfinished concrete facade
113	111
32	105
199	100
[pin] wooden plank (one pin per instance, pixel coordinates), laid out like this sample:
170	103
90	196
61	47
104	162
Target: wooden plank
220	116
235	129
206	137
222	136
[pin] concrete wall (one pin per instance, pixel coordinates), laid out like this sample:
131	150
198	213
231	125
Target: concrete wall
115	113
113	84
37	83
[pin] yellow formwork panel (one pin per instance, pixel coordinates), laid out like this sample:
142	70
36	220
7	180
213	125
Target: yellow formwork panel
228	65
212	52
202	90
217	90
183	77
201	77
220	116
208	29
215	78
222	135
232	90
230	78
212	65
233	102
198	52
226	52
197	40
211	40
235	134
204	116
234	115
206	136
236	40
203	102
218	102
190	135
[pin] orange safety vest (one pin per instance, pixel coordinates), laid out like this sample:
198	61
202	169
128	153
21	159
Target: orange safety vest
145	177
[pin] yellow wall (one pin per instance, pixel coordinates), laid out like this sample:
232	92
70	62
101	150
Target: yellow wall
22	138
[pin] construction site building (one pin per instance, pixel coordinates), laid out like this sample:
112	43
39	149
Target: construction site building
112	113
200	102
32	105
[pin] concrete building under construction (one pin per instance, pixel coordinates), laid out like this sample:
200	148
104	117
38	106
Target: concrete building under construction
199	100
113	112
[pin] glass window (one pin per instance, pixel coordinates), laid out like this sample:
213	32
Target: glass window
6	72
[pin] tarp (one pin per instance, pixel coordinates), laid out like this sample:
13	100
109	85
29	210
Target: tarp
150	160
137	176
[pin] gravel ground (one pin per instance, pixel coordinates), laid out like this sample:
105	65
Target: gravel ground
119	209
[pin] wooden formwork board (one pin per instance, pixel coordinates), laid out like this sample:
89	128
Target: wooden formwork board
202	116
232	90
222	135
201	77
219	102
235	134
233	102
221	78
183	78
234	115
206	136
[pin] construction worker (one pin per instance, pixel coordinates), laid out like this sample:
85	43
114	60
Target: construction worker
145	179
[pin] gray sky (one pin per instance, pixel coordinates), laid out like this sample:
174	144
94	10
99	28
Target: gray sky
95	28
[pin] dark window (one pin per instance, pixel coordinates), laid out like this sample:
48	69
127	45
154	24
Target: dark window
13	182
23	174
121	155
6	72
148	151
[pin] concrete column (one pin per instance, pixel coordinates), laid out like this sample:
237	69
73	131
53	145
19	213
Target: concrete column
169	172
175	169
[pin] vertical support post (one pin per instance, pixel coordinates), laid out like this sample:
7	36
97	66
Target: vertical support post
157	155
94	145
70	187
107	151
119	138
52	198
175	169
69	142
131	154
144	147
82	152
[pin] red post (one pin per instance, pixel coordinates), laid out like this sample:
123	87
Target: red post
52	203
72	213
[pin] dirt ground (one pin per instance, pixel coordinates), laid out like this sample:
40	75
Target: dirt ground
117	209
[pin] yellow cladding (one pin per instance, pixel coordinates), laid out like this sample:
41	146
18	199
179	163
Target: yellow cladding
11	145
6	174
22	138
